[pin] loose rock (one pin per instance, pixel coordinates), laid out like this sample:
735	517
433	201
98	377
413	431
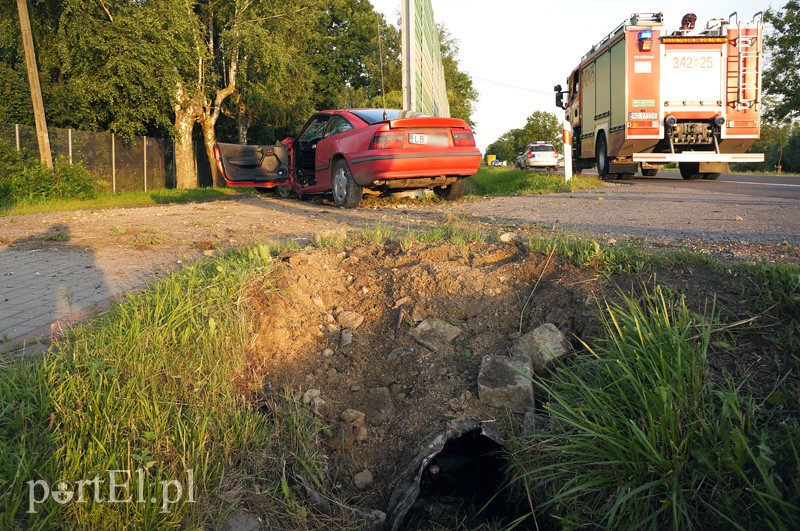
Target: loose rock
353	416
434	334
505	382
310	395
363	480
400	352
347	337
350	320
542	346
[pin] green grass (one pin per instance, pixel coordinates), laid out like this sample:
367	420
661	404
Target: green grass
332	239
57	235
455	233
378	234
641	438
507	181
122	199
160	383
618	258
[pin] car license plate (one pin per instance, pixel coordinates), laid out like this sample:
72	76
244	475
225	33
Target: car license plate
431	140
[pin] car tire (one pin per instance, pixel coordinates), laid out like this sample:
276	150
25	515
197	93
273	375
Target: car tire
601	156
451	192
346	192
690	170
283	191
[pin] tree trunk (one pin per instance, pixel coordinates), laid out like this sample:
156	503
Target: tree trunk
185	170
187	111
242	121
209	139
210	114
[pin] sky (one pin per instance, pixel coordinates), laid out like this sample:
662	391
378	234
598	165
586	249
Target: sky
517	50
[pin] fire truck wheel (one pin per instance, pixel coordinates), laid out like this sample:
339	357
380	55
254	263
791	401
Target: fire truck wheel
711	176
649	172
690	170
601	154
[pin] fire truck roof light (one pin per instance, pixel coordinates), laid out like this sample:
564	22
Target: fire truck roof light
645	35
693	40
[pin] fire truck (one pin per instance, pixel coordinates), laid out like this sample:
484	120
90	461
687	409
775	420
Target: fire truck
643	98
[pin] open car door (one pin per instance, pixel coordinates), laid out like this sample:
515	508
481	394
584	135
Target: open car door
242	165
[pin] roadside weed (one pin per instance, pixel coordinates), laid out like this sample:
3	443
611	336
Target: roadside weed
378	234
159	383
640	437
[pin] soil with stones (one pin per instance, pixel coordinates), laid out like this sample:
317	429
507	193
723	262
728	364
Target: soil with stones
338	333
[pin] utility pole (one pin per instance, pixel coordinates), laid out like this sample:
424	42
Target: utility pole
36	90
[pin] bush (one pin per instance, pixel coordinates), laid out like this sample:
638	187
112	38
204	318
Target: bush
23	181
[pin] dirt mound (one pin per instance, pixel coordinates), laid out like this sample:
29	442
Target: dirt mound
406	388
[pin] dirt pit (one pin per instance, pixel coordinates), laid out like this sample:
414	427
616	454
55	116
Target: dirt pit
336	333
406	389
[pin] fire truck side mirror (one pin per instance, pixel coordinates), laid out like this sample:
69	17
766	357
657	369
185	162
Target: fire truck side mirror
560	100
557	88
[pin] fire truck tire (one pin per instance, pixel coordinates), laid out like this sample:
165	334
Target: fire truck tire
711	176
649	172
601	155
690	170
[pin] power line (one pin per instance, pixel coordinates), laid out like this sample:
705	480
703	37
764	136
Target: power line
512	86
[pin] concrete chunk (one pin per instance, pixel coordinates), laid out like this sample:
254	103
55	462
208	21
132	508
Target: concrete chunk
542	346
505	382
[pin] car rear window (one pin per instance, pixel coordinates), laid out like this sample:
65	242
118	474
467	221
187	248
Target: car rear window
373	116
541	147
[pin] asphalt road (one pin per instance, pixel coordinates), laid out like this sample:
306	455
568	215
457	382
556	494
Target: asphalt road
735	211
775	186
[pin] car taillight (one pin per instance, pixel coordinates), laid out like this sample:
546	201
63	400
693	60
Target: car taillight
387	140
463	138
530	154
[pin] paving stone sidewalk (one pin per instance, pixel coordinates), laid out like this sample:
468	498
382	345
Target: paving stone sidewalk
45	289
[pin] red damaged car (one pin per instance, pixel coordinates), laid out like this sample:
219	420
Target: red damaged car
345	152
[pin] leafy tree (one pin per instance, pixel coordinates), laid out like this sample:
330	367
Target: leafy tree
224	35
115	65
539	126
782	75
344	54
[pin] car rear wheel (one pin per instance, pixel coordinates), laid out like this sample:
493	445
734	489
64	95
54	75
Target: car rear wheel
346	192
451	192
